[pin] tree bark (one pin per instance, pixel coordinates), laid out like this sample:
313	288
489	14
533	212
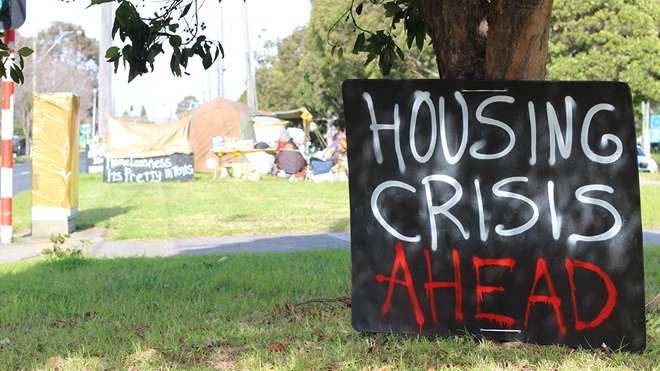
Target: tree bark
478	39
517	47
454	29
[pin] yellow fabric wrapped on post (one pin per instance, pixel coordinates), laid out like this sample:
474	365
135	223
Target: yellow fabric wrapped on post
55	150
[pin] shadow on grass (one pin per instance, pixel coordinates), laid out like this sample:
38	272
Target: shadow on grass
158	313
343	224
234	312
87	218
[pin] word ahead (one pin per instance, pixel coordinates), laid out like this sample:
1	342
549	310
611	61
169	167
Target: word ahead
176	166
505	209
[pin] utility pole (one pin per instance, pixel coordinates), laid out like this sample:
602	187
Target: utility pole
95	92
12	16
7	132
646	131
251	85
105	76
221	62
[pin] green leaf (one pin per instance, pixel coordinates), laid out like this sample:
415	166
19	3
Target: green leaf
385	61
391	9
421	36
340	52
186	9
112	53
359	43
25	51
370	57
207	61
175	64
358	9
184	60
16	75
175	41
221	50
410	38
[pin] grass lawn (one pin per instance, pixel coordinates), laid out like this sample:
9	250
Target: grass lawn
650	200
284	311
202	208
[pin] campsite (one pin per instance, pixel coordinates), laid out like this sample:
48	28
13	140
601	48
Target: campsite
227	139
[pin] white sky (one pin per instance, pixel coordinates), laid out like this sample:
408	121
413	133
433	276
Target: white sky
160	91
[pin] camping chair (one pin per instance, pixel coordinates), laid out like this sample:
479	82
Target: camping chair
290	161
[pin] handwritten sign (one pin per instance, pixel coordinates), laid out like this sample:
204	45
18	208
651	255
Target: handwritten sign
505	209
154	169
95	156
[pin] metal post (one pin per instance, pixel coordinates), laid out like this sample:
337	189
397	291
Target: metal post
646	128
35	63
105	108
251	85
221	62
94	108
7	171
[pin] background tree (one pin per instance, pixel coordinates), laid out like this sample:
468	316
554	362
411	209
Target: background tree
613	40
279	79
74	48
472	39
71	65
303	70
184	106
476	39
493	39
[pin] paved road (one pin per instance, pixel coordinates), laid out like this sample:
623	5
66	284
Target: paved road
28	247
23	174
22	177
652	237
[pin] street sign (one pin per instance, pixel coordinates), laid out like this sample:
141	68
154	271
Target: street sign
654	125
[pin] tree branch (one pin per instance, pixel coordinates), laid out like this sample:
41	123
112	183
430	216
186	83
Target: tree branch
421	66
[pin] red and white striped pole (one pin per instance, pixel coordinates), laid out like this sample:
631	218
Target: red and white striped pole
7	170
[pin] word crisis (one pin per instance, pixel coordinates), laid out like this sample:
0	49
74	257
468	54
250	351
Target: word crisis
455	287
585	195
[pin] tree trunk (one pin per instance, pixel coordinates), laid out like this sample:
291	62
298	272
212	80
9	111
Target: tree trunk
460	48
500	39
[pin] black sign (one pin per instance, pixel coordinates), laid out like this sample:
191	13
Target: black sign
505	209
153	169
